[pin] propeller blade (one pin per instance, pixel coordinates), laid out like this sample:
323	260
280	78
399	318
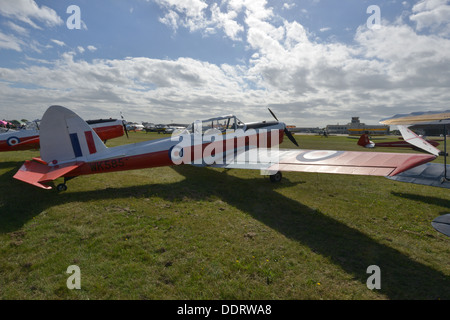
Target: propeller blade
125	128
286	131
291	137
124	125
273	114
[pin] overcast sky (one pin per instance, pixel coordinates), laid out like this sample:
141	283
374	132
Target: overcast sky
314	62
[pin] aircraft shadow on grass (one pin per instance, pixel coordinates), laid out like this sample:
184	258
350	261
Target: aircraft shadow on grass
445	203
346	247
10	164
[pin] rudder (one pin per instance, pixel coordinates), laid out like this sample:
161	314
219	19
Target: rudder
365	142
64	136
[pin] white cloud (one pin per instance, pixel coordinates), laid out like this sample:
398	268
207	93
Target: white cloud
91	48
227	22
189	14
289	6
171	19
10	42
432	14
197	15
28	11
135	82
17	28
58	42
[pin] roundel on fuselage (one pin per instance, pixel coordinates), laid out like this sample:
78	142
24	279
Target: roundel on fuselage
12	141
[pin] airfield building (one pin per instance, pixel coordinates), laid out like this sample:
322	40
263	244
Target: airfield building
355	127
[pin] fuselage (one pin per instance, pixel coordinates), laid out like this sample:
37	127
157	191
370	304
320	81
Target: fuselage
402	144
15	140
187	148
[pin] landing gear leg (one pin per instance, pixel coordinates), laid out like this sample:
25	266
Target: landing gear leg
276	177
62	186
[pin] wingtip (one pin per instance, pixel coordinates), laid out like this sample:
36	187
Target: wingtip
413	162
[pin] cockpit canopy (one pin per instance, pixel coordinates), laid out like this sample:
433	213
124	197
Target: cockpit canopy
222	123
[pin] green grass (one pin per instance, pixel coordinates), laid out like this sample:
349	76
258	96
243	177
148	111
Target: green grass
200	233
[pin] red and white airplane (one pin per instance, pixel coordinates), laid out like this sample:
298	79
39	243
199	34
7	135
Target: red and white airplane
69	147
26	139
364	141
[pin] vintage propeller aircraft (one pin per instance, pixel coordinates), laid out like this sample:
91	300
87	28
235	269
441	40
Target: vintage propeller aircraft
69	147
26	139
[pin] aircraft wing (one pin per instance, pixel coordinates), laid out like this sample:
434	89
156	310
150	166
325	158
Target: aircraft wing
430	117
37	173
327	161
429	174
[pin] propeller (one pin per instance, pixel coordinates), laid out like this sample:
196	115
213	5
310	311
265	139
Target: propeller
124	124
286	131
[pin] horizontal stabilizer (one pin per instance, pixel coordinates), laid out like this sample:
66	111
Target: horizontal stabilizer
412	138
430	174
38	173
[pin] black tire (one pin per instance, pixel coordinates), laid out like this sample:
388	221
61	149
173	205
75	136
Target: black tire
61	187
276	177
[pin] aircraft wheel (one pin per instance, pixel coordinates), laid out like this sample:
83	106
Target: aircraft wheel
276	177
61	187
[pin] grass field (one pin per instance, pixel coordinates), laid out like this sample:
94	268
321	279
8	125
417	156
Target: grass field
200	233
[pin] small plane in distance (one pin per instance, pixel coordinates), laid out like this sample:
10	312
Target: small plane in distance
27	139
364	141
69	147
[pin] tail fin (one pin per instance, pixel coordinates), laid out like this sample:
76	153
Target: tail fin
64	136
365	142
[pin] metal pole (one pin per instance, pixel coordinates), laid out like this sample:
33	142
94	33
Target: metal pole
445	152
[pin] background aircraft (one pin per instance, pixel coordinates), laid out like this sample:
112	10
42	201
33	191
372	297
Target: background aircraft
364	141
25	139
